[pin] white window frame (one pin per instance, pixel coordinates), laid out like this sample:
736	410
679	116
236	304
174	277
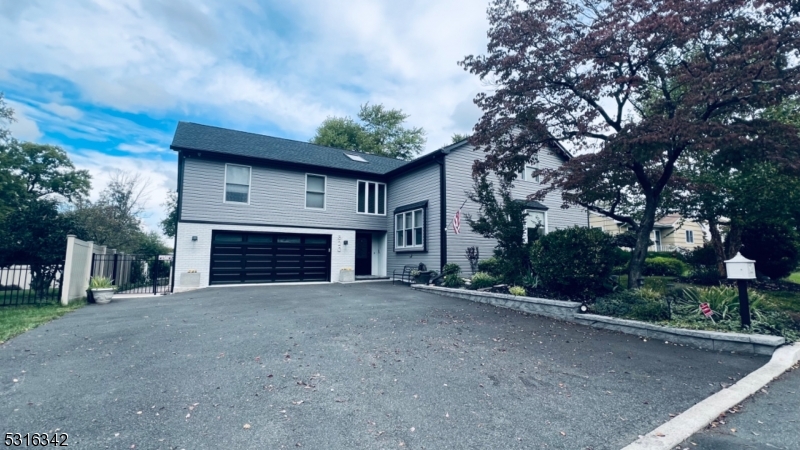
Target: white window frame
324	193
366	197
525	230
524	177
419	246
689	236
225	185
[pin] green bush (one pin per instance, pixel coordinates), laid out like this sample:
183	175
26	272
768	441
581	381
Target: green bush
640	304
574	261
482	280
517	290
664	267
451	269
723	301
703	264
453	280
490	266
673	254
774	246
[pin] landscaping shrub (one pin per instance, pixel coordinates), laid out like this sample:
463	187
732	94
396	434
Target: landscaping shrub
703	265
664	267
451	269
574	261
681	256
640	304
774	246
490	266
453	280
482	280
517	290
723	301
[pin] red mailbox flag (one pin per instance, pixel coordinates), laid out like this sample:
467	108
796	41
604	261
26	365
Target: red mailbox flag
706	309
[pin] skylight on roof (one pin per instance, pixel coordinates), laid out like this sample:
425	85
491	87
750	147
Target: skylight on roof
355	158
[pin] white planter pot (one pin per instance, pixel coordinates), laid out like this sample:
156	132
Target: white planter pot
347	276
102	296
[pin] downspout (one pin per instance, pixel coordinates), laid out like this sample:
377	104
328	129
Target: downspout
442	212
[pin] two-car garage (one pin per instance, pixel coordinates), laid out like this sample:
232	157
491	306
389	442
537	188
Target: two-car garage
245	257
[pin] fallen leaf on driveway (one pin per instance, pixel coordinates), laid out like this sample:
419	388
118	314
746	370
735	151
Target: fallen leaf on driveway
660	434
246	426
563	433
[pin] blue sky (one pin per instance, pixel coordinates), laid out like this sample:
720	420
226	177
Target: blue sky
109	79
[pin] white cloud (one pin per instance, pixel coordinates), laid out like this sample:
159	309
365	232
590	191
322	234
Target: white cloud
23	127
65	111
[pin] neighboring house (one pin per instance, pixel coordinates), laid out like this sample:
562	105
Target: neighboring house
260	209
669	233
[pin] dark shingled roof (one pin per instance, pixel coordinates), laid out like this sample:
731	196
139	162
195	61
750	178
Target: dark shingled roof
192	136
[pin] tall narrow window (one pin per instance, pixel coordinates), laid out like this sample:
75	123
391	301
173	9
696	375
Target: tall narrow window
371	198
410	229
690	236
527	173
237	183
315	191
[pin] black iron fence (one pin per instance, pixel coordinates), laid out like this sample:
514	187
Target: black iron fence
26	285
133	274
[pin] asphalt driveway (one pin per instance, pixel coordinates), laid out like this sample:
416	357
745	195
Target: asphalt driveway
343	366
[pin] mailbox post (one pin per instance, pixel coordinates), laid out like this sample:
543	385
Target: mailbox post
742	269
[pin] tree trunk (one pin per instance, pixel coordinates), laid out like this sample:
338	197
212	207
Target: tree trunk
719	248
639	253
733	242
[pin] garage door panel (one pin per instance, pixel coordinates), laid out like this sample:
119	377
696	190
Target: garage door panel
242	257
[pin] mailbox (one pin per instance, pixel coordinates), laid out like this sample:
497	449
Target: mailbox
740	268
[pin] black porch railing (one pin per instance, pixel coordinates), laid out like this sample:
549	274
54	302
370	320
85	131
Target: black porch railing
23	285
133	274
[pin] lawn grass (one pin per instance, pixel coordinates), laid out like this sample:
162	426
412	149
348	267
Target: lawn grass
15	320
794	278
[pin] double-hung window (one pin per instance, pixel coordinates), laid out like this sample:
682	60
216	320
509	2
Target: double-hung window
371	198
237	183
527	173
409	229
690	236
315	191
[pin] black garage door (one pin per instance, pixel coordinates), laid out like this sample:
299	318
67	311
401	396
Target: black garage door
238	257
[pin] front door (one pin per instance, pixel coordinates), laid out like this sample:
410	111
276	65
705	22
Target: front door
363	254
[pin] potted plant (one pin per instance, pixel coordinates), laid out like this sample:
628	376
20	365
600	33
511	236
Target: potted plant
101	289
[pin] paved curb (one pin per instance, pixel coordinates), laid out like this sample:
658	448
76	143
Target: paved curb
757	344
677	430
563	310
556	309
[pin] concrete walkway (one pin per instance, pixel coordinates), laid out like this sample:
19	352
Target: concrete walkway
343	366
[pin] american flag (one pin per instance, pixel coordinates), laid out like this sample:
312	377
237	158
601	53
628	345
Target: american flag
457	222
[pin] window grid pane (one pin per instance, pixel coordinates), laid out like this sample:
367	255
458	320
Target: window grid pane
315	200
381	199
236	193
399	238
315	183
418	236
237	175
408	220
371	198
362	196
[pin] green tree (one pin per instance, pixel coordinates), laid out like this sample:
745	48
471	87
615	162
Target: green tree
379	132
458	137
170	223
114	220
502	219
634	87
150	244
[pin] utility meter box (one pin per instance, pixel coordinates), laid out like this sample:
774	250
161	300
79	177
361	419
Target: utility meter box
740	268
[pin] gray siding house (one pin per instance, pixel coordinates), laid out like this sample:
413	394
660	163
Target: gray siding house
260	209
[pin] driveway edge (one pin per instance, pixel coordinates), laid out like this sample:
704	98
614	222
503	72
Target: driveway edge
756	344
694	419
